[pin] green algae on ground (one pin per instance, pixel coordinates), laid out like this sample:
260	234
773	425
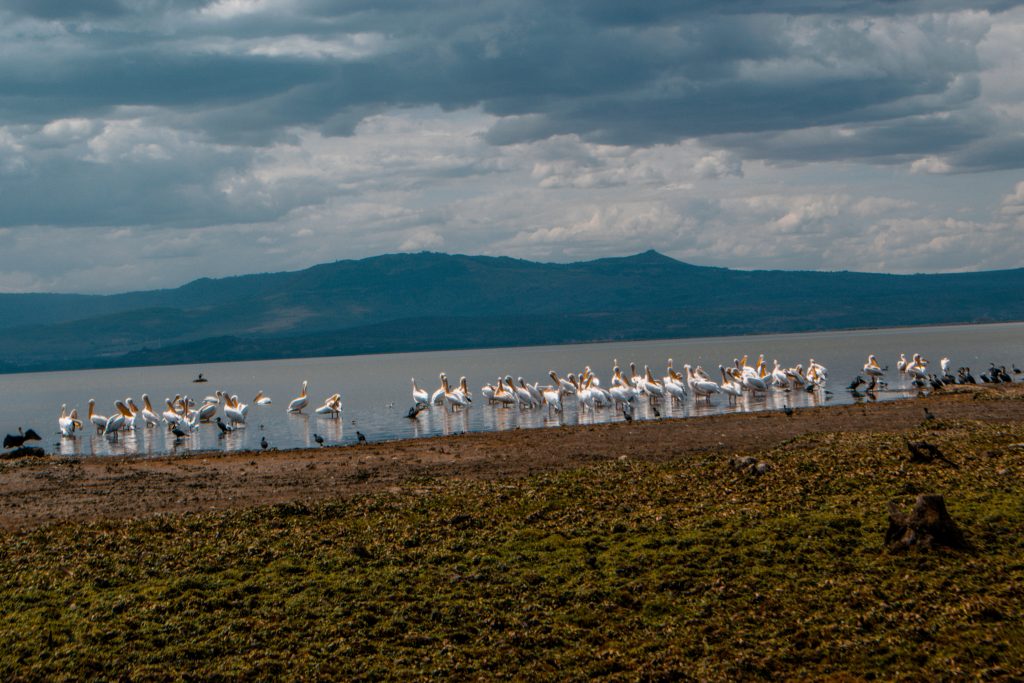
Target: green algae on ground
625	569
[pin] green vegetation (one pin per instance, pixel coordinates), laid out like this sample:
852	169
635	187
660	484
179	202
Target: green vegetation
653	570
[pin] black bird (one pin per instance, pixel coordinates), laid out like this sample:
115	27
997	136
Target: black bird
361	437
415	411
224	428
179	432
787	410
18	440
263	443
935	382
928	414
657	413
627	411
922	451
857	381
1016	370
319	439
873	385
199	378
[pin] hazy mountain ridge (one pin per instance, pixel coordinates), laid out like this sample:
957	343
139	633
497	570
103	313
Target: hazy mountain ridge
401	302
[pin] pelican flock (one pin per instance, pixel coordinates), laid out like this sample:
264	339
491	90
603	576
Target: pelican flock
629	392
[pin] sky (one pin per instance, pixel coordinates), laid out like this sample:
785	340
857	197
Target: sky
146	143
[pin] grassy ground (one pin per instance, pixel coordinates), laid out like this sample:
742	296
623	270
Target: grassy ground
630	569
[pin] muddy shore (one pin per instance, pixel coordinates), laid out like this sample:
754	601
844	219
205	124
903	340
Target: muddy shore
38	492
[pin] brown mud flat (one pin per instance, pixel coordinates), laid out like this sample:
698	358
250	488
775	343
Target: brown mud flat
37	492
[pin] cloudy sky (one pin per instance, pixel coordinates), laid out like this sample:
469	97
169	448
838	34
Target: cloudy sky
144	143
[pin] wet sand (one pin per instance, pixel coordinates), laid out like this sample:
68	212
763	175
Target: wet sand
36	492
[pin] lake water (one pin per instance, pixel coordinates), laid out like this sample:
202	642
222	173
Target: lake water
376	390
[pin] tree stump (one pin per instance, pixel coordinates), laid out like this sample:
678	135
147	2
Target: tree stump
926	526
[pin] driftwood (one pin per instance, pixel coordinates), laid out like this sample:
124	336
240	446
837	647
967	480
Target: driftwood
23	451
927	525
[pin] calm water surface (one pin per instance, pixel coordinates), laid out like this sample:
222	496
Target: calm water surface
376	390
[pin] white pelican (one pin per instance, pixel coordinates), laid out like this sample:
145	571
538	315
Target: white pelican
117	421
208	410
301	401
901	364
419	395
584	396
261	399
149	415
553	398
796	376
753	383
700	386
331	406
535	392
243	408
730	387
522	393
622	392
233	410
437	398
98	421
944	363
567	385
674	384
171	415
779	378
916	367
464	388
68	422
635	378
454	398
817	372
654	389
135	421
872	368
504	395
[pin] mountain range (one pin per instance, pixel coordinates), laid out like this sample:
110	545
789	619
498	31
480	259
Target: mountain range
428	301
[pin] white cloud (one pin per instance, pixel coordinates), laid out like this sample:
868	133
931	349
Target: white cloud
719	164
930	164
421	239
1013	203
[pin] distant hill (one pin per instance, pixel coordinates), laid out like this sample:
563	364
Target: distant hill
404	302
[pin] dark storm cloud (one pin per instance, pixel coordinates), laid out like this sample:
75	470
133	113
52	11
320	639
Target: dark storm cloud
62	9
620	73
788	81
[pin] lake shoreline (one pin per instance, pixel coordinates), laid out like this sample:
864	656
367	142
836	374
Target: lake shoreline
39	492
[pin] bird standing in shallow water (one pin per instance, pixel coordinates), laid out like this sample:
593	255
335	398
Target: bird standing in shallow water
361	437
263	443
224	428
319	439
787	410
